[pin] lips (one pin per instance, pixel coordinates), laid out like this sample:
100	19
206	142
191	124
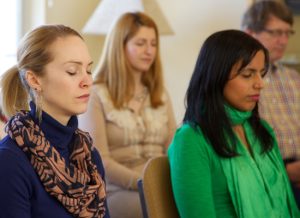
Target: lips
148	60
84	97
254	97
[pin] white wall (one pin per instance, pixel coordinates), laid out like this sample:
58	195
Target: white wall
192	21
33	14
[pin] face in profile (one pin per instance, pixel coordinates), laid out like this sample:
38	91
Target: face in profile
141	49
243	88
67	80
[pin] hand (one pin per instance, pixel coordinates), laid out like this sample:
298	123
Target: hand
293	171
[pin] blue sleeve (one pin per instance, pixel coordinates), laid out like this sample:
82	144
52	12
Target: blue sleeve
98	161
15	188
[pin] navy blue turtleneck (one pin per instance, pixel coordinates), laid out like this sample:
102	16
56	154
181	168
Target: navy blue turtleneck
22	194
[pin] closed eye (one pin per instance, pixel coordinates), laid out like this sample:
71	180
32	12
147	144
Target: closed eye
247	74
71	73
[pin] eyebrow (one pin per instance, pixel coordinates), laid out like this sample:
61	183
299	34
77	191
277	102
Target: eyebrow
145	39
77	62
254	70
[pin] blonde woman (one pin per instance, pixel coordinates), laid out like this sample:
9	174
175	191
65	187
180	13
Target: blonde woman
48	166
130	116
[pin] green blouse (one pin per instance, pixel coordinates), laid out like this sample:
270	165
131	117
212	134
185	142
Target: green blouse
207	185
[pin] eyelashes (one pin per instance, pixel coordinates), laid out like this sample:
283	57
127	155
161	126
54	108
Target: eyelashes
71	73
74	73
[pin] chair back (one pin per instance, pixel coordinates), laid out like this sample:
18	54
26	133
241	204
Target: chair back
155	187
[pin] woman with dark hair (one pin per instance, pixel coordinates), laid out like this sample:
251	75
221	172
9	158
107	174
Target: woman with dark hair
224	159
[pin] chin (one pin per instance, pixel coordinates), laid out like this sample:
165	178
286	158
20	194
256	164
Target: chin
277	56
80	110
246	108
145	68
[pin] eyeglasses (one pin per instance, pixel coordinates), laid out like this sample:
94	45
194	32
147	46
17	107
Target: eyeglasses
279	33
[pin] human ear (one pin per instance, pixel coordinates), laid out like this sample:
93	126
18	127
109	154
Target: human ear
33	80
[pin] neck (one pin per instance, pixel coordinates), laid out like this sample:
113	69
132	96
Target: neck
235	116
137	77
61	119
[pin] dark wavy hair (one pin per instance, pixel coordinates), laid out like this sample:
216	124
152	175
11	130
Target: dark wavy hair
204	97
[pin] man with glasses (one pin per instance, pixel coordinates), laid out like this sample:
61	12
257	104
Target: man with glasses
270	22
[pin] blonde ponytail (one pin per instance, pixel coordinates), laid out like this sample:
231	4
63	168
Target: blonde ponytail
14	96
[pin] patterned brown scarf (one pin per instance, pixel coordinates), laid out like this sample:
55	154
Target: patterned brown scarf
78	187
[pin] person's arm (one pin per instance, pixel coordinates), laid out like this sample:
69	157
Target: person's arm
293	171
93	121
171	120
191	175
14	186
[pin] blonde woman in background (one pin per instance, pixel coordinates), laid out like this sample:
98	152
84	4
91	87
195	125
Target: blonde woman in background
130	115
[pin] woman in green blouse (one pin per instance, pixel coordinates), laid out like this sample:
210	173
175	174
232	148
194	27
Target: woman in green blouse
224	159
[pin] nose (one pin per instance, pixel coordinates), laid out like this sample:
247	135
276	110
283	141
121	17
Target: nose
283	39
259	82
150	49
86	81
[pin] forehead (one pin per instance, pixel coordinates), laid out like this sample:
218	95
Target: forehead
257	62
276	23
69	48
145	32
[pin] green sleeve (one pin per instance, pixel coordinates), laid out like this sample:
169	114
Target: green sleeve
191	174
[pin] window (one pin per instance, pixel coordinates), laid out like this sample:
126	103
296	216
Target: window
9	22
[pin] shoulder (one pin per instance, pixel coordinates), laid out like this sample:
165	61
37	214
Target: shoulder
9	150
12	156
101	93
191	138
100	99
165	95
100	87
14	164
190	150
188	132
291	72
